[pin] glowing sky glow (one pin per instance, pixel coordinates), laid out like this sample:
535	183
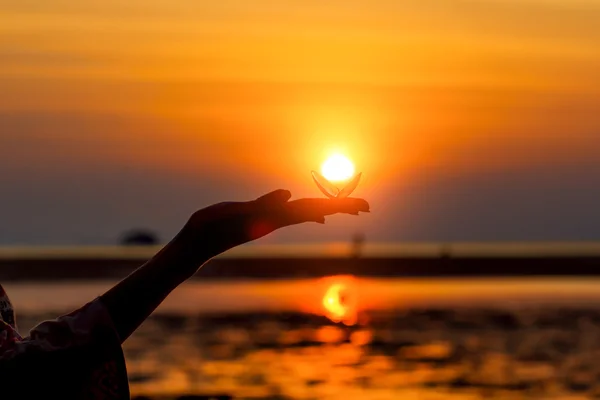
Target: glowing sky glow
471	119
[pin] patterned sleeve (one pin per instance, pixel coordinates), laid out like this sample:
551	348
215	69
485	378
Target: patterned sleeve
77	355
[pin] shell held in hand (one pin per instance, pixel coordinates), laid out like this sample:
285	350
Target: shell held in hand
332	191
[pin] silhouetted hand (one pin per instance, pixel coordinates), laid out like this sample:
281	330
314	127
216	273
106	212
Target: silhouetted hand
208	233
225	225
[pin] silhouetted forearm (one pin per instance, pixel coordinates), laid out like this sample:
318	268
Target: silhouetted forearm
133	299
209	232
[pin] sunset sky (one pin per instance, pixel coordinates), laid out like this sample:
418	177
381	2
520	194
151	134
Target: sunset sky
470	119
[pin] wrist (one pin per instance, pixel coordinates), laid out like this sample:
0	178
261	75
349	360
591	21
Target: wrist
184	254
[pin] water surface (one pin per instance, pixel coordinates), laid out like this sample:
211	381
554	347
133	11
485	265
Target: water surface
365	338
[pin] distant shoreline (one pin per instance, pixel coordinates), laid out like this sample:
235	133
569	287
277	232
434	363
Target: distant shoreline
323	250
309	261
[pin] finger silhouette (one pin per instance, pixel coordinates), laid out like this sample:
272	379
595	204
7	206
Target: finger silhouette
330	206
315	210
276	196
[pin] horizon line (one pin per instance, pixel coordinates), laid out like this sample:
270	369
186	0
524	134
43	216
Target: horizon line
323	250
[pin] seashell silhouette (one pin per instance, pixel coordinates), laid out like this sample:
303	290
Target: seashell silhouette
332	191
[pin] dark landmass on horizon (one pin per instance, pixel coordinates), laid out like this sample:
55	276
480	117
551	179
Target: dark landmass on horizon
440	261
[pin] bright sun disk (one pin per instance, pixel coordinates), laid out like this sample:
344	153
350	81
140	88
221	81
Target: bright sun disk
337	168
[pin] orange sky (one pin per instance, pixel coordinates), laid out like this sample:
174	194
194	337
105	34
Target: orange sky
263	90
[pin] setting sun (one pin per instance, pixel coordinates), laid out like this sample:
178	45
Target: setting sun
337	168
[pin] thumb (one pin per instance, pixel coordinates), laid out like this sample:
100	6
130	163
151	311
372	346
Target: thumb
277	196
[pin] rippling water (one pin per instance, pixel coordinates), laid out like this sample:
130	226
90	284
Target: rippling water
375	339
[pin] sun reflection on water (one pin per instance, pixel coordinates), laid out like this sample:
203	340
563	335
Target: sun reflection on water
340	303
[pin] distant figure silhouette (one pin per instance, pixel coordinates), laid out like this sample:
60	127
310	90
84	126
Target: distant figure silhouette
139	238
358	242
446	251
79	355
